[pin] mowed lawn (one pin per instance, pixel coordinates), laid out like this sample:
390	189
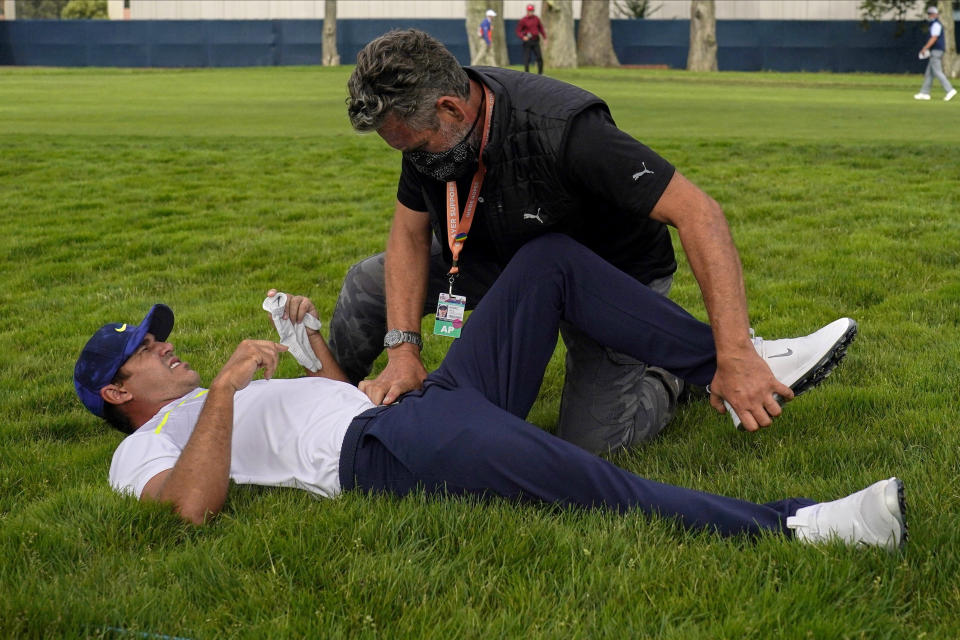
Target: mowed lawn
203	188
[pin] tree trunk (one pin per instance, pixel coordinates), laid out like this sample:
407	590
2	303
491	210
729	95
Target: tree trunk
500	56
560	48
595	42
703	36
951	62
330	56
496	55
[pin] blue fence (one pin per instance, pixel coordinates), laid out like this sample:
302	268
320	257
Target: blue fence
776	45
744	45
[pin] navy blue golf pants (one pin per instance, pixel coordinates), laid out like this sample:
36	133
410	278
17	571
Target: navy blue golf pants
464	433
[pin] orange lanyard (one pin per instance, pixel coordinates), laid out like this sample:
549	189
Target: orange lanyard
458	226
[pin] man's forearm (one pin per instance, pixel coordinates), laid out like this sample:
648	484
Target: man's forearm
716	265
712	256
197	485
407	263
405	283
742	379
331	368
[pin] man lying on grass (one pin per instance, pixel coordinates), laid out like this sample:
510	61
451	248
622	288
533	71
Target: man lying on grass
464	431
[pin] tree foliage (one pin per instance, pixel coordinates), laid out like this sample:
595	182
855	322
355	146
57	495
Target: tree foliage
873	10
635	9
85	10
39	9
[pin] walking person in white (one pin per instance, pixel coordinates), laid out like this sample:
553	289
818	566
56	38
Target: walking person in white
485	49
932	51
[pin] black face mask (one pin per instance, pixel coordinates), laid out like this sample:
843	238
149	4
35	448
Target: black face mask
452	164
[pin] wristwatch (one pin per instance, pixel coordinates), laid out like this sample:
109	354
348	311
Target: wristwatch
395	338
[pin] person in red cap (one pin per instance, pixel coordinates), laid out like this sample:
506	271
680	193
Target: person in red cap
530	30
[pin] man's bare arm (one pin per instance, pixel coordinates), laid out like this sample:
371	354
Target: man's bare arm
742	378
406	271
197	484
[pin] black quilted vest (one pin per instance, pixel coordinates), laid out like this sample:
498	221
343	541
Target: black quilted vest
524	194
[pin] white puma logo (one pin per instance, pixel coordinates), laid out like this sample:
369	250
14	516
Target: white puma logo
640	174
533	216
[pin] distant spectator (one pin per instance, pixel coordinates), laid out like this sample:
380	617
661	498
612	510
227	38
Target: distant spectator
530	30
485	50
933	52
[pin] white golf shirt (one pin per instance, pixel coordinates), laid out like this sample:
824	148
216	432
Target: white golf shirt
286	433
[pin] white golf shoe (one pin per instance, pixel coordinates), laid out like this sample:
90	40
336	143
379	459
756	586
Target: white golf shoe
950	95
921	96
874	517
803	363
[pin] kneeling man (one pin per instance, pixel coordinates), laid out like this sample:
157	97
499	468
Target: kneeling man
463	432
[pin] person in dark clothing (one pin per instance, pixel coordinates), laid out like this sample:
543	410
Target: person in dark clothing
493	158
530	30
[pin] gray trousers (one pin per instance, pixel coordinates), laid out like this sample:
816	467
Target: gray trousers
609	400
935	69
484	55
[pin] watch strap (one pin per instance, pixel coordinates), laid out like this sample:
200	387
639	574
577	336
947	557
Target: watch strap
396	337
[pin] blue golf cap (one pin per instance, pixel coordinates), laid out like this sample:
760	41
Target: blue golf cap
109	348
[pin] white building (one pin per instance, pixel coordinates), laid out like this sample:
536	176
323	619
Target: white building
454	9
512	9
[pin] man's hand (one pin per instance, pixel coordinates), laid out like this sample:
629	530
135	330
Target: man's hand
746	382
404	372
247	358
743	379
296	309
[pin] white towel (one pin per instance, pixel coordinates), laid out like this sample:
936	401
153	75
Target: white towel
294	336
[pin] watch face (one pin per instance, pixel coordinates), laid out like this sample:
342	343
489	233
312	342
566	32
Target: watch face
392	338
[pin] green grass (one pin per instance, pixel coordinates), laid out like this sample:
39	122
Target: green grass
202	188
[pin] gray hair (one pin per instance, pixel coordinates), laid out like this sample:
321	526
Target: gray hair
404	73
